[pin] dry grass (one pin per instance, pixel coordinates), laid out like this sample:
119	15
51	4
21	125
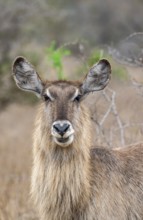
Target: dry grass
15	163
16	127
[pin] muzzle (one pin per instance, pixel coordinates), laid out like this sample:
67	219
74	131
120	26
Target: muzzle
62	132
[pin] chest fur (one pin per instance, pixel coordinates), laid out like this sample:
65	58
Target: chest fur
61	188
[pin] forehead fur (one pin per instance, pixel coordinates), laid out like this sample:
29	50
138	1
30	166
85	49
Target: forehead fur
62	87
62	83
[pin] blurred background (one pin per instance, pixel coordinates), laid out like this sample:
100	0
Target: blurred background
62	39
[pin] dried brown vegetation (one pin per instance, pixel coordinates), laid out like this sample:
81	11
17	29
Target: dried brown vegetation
15	163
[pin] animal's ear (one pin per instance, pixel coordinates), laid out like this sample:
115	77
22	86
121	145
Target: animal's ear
26	77
98	77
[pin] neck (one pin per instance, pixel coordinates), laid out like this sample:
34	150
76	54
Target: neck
65	172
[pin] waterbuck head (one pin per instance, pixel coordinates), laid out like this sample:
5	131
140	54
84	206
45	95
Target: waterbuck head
63	108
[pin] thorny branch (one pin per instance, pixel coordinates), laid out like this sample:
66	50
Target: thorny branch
116	114
119	126
113	110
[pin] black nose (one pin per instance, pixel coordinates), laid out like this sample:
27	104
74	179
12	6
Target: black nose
61	128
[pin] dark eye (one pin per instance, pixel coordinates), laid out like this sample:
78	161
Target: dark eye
46	98
77	98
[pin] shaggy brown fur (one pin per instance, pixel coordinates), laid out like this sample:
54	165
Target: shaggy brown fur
86	183
80	181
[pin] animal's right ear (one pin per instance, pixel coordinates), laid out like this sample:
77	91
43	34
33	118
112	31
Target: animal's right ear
26	77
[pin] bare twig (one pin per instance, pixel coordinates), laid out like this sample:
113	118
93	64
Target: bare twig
112	108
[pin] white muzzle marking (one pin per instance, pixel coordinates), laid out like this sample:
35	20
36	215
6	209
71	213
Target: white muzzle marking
64	138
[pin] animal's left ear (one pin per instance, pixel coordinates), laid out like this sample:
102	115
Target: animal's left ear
98	77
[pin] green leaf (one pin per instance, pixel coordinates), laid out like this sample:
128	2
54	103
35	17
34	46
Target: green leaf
55	56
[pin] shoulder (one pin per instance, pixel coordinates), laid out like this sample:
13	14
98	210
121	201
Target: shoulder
104	155
118	157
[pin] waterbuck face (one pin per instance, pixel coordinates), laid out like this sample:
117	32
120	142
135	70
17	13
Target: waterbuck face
62	99
62	107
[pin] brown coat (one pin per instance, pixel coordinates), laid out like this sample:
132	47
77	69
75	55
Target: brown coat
78	181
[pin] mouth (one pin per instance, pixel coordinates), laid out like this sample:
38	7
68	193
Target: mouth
64	142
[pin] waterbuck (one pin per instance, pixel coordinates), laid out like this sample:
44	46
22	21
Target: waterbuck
71	178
